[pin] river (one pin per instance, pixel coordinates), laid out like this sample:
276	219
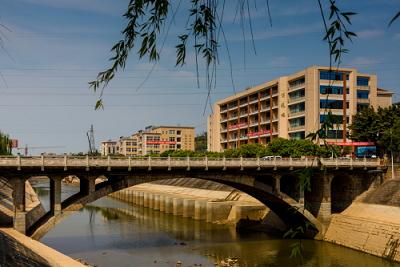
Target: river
112	233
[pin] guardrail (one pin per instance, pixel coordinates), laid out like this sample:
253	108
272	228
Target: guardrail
184	162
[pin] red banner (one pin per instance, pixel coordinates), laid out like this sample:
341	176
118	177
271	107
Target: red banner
159	142
259	133
352	143
236	126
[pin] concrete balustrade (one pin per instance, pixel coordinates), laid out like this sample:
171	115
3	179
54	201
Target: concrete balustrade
162	203
188	208
177	206
200	210
156	205
151	200
168	204
146	197
217	211
141	199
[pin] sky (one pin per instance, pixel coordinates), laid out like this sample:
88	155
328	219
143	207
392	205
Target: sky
51	49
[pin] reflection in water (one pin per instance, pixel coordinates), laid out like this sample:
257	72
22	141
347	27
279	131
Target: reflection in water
113	233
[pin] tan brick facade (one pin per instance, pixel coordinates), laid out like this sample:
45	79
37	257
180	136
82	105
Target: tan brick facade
293	106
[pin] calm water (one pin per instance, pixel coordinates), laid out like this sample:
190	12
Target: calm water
112	233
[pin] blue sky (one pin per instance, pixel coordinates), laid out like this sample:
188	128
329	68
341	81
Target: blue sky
53	48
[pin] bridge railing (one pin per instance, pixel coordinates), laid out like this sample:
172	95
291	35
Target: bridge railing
188	162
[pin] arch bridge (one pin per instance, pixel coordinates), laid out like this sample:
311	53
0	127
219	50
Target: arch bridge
334	183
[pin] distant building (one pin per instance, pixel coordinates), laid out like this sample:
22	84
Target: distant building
152	140
293	106
108	148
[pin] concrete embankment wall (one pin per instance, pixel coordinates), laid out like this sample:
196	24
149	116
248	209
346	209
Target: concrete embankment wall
370	228
215	206
17	249
34	208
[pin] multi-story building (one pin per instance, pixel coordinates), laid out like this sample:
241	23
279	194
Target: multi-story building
108	148
293	106
154	140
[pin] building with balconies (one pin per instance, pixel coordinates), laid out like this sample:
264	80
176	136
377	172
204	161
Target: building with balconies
293	106
152	140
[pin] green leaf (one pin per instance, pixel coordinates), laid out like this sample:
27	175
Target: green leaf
99	105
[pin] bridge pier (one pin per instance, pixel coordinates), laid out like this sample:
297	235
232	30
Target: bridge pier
319	199
277	184
87	185
19	221
55	195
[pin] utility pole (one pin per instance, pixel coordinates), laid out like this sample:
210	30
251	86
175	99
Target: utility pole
391	152
90	136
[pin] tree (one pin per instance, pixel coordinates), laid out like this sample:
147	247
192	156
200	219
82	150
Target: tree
200	142
381	127
148	19
5	144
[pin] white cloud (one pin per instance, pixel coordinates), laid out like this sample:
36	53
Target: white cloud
100	6
279	32
363	62
367	34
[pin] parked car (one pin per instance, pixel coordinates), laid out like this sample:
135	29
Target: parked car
271	157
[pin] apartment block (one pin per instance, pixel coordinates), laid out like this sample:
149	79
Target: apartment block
293	106
153	140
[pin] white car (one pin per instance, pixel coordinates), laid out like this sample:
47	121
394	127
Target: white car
271	157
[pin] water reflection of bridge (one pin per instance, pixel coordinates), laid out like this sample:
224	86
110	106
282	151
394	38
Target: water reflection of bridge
335	183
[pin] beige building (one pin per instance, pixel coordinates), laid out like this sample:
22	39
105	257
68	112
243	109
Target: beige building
153	140
293	106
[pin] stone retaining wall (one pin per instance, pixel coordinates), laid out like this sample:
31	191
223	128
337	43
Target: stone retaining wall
373	229
200	204
17	249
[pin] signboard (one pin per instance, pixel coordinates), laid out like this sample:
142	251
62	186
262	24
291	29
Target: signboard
352	143
259	133
159	142
366	151
236	126
14	143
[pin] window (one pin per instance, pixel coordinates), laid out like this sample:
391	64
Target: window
362	81
178	146
336	90
334	134
333	104
178	139
362	94
297	94
297	107
297	122
171	132
297	82
178	132
337	119
331	75
128	143
172	139
361	106
171	146
297	135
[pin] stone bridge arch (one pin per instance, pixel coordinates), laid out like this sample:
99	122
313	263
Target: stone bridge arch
263	188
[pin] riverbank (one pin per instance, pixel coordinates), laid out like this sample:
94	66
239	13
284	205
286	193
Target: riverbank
222	206
20	250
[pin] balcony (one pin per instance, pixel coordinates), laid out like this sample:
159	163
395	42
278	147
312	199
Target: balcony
296	127
296	113
363	87
296	100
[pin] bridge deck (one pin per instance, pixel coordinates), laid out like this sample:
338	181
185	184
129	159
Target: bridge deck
88	162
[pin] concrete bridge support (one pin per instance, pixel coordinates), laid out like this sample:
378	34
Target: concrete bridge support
319	199
19	205
55	195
